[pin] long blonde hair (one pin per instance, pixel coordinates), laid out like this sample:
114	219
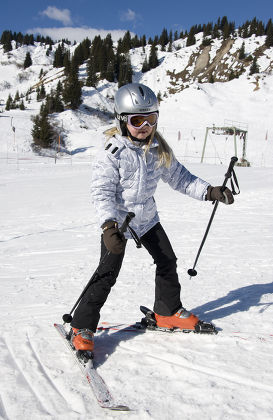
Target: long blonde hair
165	153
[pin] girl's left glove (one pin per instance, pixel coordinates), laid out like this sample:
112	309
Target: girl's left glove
215	193
113	239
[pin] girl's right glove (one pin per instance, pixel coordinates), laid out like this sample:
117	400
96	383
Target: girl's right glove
215	193
113	239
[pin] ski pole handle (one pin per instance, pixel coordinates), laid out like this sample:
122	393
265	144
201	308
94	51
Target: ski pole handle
233	160
126	222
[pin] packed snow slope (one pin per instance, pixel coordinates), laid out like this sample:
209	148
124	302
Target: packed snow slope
48	251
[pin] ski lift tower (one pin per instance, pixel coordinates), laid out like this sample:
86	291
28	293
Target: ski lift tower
230	130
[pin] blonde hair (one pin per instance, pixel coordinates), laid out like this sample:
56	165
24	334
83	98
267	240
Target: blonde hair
165	153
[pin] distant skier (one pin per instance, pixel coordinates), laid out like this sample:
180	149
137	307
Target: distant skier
125	177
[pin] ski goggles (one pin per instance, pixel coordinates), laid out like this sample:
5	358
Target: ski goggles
139	120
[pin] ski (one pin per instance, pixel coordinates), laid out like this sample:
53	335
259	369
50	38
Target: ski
95	381
148	324
137	328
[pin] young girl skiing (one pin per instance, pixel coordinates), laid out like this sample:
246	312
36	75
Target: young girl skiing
125	177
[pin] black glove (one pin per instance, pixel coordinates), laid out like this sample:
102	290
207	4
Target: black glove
113	239
215	193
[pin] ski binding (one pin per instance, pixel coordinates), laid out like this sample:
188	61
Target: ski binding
149	323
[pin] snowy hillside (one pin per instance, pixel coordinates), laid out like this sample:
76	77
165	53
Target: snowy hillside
188	106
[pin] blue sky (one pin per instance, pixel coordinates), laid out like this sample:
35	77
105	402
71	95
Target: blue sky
75	19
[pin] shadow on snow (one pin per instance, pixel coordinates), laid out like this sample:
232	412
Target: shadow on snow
239	300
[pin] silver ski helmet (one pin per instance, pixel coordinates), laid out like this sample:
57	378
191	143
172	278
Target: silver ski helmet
133	98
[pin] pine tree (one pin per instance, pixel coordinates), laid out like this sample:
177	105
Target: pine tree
242	54
206	42
143	42
22	105
28	39
170	47
95	51
260	29
9	103
254	68
86	44
110	63
38	93
226	31
245	29
72	88
191	40
78	55
136	42
153	60
125	71
232	75
28	61
126	43
110	71
163	39
253	27
59	57
59	88
269	34
42	92
215	32
207	29
92	78
42	132
211	78
6	39
223	23
66	63
17	96
145	65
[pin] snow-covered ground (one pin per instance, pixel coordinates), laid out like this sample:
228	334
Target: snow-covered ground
49	249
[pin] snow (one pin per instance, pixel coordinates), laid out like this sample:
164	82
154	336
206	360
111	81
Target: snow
49	248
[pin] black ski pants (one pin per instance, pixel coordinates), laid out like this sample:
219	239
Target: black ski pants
167	287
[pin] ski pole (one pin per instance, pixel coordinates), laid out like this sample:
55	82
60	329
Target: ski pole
192	272
67	318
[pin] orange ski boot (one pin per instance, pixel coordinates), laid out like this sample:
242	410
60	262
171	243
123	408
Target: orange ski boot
82	339
182	319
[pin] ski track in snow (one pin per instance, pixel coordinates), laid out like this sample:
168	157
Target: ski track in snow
206	371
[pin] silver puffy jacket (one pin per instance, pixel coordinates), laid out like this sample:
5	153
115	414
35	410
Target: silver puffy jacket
124	179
